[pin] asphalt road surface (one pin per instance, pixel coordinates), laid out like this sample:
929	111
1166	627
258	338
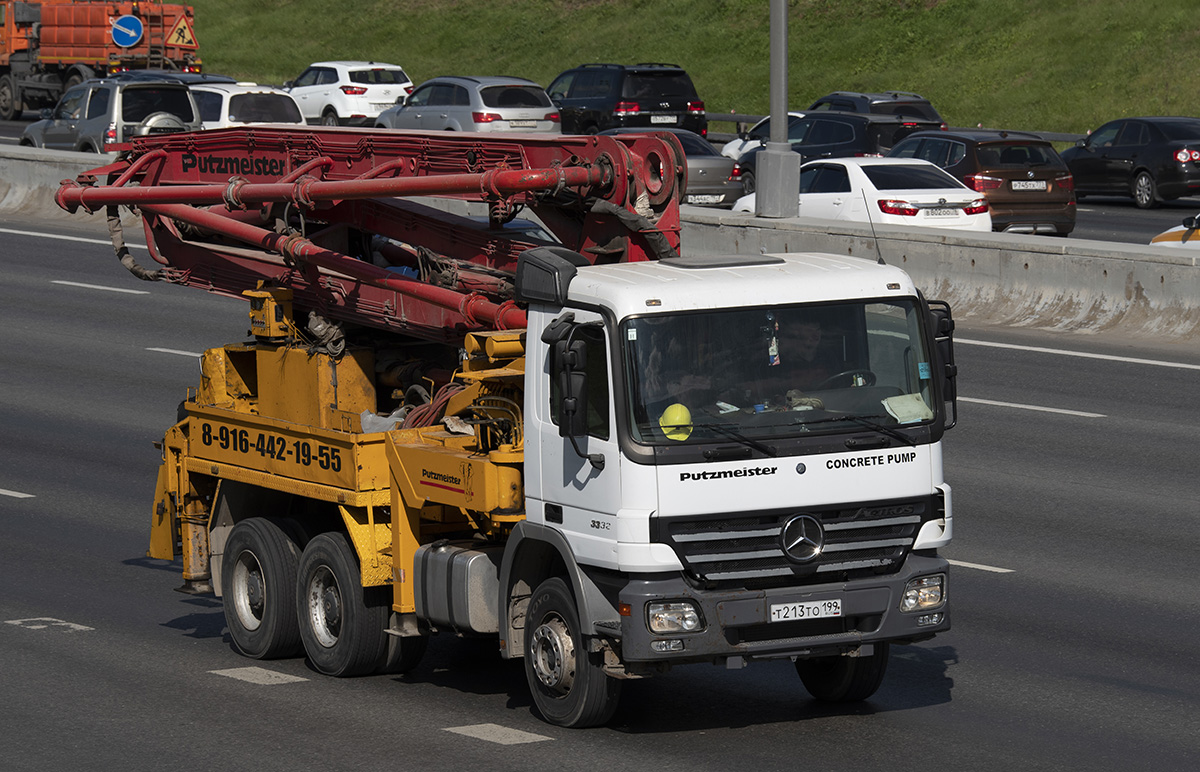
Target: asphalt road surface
1076	601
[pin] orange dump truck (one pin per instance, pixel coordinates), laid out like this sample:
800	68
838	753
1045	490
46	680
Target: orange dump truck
47	47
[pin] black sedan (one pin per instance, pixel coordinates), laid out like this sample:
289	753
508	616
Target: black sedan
1150	159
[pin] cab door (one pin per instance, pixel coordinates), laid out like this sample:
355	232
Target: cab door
572	493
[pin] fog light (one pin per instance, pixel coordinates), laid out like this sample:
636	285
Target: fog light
662	646
925	620
674	617
924	593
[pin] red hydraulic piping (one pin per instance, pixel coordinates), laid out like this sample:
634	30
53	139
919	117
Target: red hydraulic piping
475	308
307	190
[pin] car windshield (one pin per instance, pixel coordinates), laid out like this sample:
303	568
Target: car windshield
773	372
909	177
378	75
514	96
263	108
143	101
1180	129
998	155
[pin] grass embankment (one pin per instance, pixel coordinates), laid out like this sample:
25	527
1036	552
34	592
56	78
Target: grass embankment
1002	63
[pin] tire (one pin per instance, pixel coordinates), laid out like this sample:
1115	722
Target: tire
72	81
342	624
403	654
569	687
258	585
748	184
1145	192
10	99
844	679
330	118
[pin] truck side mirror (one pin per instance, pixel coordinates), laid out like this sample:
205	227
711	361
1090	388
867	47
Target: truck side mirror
943	340
568	371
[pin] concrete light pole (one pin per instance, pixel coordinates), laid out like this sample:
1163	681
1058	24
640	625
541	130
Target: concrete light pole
778	169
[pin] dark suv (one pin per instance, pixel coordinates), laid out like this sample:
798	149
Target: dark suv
886	103
595	97
1027	184
838	135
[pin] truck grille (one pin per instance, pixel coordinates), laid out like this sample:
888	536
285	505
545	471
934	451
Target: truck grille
747	549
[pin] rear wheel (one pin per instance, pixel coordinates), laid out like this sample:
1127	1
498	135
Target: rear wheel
568	683
72	81
342	623
10	98
748	185
330	118
258	582
844	679
1145	193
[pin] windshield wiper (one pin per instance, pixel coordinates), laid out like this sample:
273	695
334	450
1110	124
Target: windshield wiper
738	437
864	420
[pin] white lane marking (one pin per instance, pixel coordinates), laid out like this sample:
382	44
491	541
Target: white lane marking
61	237
501	735
1083	354
16	494
1032	407
258	675
41	623
981	567
101	287
175	351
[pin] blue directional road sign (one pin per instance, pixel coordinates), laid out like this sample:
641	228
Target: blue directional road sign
127	31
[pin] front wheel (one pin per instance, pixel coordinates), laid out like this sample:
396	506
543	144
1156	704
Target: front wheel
1145	193
844	679
569	686
258	582
342	624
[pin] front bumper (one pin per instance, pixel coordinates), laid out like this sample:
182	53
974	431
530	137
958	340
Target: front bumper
737	625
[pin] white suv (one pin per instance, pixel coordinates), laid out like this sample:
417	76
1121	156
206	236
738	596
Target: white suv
239	104
348	93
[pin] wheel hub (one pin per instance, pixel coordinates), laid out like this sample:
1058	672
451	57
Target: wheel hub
324	600
249	591
554	655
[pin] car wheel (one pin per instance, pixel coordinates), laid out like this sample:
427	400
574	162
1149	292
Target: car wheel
748	185
72	81
330	118
1145	194
844	679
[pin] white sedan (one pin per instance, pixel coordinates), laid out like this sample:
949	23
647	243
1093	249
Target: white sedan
886	191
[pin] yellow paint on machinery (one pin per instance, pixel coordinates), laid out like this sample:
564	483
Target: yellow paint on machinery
276	416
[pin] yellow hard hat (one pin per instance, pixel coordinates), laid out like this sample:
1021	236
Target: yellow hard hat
676	422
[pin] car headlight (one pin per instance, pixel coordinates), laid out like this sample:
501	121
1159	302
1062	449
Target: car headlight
673	617
924	593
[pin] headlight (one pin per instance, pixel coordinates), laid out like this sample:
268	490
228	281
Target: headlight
674	617
924	593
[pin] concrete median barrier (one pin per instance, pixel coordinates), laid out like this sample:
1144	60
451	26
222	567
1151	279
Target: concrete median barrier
1024	280
1016	279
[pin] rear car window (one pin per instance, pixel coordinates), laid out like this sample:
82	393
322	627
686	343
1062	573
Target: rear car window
1181	129
141	102
378	75
1016	154
641	85
906	177
694	145
914	109
263	108
514	96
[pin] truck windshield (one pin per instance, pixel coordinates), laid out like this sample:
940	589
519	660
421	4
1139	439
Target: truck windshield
774	372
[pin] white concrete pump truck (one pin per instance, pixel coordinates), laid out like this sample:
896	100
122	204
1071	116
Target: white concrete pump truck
611	458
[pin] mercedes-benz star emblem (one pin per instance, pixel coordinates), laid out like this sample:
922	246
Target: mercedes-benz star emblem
802	538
